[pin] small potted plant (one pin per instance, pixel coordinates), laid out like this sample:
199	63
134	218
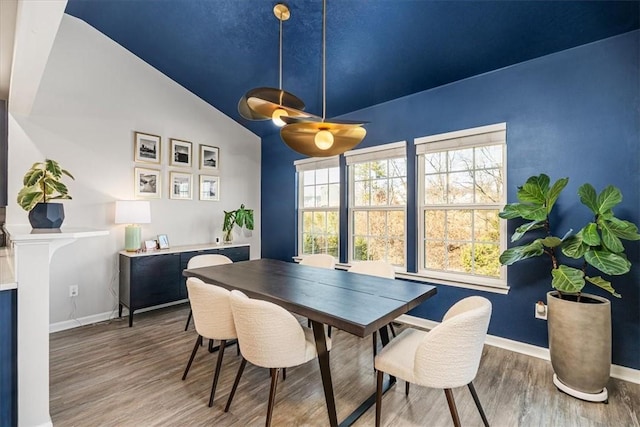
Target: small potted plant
241	217
579	323
43	183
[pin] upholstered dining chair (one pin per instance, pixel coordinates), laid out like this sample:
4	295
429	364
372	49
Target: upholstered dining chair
319	260
213	319
269	337
446	357
205	260
380	269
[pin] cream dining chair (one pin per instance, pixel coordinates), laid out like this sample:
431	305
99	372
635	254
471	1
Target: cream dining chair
319	260
379	269
446	357
205	260
213	319
269	337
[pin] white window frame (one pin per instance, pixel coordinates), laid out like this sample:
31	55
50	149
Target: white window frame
467	138
309	164
381	152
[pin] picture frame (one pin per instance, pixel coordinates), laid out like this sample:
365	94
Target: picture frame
209	158
163	241
147	148
150	245
209	188
180	185
147	183
181	153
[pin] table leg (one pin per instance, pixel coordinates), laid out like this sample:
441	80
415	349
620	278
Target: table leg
325	371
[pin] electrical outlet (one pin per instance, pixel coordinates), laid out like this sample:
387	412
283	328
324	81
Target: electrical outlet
73	290
540	310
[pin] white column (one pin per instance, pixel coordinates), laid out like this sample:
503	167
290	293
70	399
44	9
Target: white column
33	251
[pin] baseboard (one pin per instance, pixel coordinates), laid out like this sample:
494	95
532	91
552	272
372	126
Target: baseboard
619	372
102	317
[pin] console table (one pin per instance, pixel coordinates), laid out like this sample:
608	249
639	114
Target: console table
153	278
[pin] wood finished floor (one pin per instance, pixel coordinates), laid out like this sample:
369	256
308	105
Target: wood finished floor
111	375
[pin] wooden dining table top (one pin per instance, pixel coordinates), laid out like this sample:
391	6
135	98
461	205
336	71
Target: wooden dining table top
356	303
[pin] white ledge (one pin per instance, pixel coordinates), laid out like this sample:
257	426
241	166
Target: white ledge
21	233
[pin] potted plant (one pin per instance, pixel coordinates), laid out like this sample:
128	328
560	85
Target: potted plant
241	217
43	183
581	362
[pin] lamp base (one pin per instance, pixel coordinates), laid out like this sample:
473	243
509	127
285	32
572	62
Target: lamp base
132	239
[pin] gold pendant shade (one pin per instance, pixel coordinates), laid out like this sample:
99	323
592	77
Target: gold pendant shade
315	137
266	103
305	137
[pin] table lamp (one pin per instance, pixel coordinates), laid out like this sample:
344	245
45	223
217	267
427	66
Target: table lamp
133	212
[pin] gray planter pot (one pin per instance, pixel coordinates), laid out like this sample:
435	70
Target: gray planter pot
46	215
580	343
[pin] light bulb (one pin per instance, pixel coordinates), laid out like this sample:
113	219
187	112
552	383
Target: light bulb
275	117
323	139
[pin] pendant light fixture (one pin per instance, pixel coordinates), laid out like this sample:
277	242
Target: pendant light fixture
266	103
314	136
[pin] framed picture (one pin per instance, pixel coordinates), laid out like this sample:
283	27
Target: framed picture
180	153
147	183
146	148
150	245
180	186
209	158
163	241
209	187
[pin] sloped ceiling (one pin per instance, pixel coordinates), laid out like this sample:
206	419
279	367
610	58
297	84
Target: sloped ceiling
377	50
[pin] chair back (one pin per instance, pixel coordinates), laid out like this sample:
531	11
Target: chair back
319	260
208	260
269	335
211	310
449	355
374	268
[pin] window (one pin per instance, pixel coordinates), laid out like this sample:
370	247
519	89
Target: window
318	204
377	204
461	190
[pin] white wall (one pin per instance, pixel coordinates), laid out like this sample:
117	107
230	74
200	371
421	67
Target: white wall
94	94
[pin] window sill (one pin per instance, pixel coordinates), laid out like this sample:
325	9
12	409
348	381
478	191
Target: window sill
422	278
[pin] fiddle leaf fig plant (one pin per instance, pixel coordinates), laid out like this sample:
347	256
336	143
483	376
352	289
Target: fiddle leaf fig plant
42	183
598	245
241	217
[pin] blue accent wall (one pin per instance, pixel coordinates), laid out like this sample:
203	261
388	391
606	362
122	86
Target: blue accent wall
8	359
574	113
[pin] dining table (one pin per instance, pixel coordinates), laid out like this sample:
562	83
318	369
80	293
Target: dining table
355	303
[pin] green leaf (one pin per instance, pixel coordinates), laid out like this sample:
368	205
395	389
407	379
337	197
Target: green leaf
551	241
573	247
510	211
604	284
609	239
28	197
533	212
64	171
624	229
590	234
609	197
588	197
32	177
608	262
53	168
520	231
555	191
567	279
519	253
534	190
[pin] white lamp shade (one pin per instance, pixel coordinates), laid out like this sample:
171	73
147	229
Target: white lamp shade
133	212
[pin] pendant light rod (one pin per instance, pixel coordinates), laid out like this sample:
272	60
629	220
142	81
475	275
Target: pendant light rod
280	53
324	59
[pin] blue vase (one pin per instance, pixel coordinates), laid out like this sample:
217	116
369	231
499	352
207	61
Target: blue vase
46	215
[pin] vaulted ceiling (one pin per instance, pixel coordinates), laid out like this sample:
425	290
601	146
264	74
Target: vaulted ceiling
377	50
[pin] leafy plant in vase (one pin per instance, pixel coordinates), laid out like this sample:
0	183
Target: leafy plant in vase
241	217
43	183
579	323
